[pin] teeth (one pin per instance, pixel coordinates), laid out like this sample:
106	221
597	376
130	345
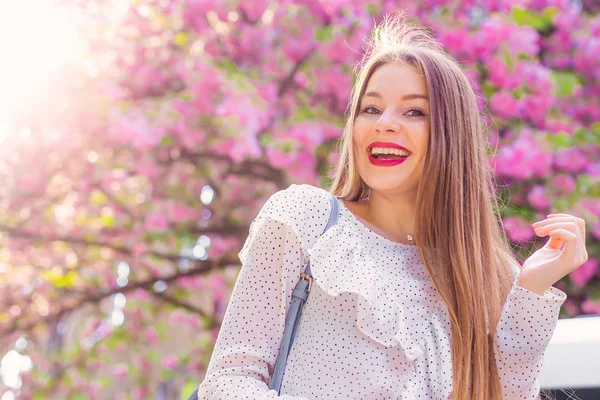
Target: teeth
385	150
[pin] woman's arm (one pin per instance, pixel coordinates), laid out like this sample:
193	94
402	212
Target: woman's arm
246	348
524	331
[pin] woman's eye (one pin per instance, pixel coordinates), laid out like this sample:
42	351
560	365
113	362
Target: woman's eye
419	112
365	110
414	112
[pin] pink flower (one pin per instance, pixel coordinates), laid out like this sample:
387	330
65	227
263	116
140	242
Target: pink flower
591	307
248	147
254	9
591	204
141	294
251	117
523	159
297	47
524	40
120	371
335	83
137	130
157	222
278	158
189	137
170	362
536	107
151	336
518	230
139	249
337	50
178	212
594	169
582	275
571	159
500	76
535	77
563	184
559	126
220	245
177	317
194	13
204	92
504	104
537	198
148	167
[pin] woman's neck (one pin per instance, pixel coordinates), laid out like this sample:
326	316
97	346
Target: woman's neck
394	217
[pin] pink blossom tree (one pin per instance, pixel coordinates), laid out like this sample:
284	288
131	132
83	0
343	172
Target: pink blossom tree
128	187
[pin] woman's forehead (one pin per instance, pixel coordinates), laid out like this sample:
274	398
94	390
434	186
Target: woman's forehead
394	79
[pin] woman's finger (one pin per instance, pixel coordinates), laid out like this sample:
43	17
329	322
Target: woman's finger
569	225
549	221
560	236
577	250
579	221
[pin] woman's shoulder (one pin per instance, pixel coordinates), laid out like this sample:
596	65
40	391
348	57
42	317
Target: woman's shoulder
302	207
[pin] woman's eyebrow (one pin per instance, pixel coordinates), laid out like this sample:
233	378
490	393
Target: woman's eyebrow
411	96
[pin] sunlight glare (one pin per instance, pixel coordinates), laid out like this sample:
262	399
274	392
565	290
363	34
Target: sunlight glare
37	38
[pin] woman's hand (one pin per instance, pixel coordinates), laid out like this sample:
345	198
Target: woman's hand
562	254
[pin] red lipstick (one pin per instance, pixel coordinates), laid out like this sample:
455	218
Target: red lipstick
385	163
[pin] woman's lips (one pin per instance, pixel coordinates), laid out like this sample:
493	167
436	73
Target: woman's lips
385	163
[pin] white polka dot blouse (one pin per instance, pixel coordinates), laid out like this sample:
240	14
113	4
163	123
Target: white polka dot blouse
373	326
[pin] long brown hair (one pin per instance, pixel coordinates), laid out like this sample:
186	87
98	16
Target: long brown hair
458	228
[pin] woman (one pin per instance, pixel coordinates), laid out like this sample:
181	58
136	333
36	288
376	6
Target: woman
418	256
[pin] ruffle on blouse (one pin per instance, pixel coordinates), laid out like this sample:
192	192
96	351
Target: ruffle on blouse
296	207
339	265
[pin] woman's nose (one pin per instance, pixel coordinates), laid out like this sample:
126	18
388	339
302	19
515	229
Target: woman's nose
387	123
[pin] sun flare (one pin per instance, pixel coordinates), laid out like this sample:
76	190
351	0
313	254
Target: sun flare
37	39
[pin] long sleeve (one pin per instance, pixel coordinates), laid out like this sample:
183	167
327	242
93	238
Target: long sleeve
524	331
252	328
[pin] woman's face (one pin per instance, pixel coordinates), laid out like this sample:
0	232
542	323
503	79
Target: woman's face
394	109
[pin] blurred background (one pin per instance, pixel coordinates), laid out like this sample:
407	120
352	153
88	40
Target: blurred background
139	138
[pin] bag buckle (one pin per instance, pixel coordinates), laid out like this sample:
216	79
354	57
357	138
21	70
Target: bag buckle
309	278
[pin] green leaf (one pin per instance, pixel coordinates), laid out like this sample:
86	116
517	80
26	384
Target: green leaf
229	66
105	381
167	374
488	89
323	33
265	139
560	139
58	279
108	220
540	22
187	389
77	396
154	357
98	198
587	136
565	82
304	113
594	294
561	204
162	329
596	129
167	141
181	39
287	146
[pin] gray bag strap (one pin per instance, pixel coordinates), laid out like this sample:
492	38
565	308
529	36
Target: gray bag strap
299	297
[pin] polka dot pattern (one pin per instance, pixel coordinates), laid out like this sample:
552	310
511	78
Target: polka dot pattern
373	327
